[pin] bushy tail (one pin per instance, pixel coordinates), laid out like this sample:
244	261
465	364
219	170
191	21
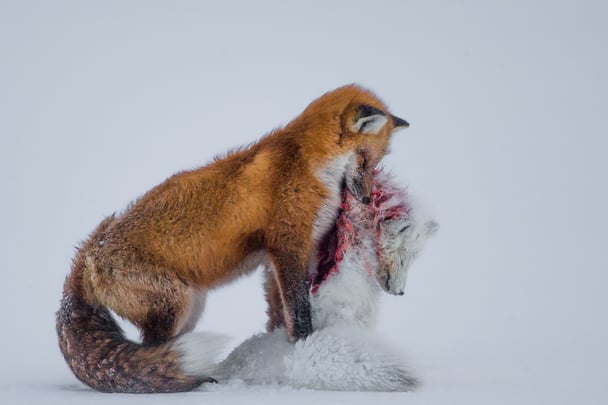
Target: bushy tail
99	354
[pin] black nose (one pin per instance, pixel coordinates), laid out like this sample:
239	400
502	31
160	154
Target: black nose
365	200
401	292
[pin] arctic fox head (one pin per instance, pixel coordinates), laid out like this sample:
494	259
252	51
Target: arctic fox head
401	238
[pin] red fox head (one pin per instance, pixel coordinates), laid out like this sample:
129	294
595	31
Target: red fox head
353	121
369	129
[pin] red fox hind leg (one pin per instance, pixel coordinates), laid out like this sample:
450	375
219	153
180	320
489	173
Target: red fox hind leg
157	304
296	304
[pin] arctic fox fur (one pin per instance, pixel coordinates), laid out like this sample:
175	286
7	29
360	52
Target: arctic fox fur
344	353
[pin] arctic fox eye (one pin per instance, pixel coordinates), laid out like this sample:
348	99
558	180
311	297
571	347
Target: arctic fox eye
405	228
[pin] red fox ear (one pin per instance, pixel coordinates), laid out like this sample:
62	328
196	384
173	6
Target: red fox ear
370	120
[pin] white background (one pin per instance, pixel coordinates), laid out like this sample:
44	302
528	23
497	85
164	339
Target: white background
100	101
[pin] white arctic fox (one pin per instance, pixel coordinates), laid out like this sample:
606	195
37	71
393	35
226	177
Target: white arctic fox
371	250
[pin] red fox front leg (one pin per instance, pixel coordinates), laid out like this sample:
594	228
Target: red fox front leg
291	270
276	315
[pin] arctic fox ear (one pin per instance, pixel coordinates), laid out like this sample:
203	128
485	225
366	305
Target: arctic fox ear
370	121
431	228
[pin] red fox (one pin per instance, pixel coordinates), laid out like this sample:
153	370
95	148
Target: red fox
270	203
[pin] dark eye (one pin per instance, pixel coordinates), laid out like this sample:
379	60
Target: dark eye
405	228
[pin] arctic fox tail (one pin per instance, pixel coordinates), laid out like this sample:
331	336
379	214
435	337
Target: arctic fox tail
100	356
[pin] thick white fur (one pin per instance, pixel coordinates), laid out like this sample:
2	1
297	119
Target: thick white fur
343	353
200	352
339	358
349	297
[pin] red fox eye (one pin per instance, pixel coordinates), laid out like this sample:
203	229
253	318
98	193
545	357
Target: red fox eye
405	228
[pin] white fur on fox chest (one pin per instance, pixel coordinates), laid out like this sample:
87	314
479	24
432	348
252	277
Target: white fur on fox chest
332	177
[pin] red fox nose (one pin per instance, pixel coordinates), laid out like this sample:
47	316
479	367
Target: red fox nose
401	292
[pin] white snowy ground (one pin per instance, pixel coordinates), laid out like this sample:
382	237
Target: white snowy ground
99	101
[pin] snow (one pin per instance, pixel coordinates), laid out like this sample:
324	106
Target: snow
507	147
